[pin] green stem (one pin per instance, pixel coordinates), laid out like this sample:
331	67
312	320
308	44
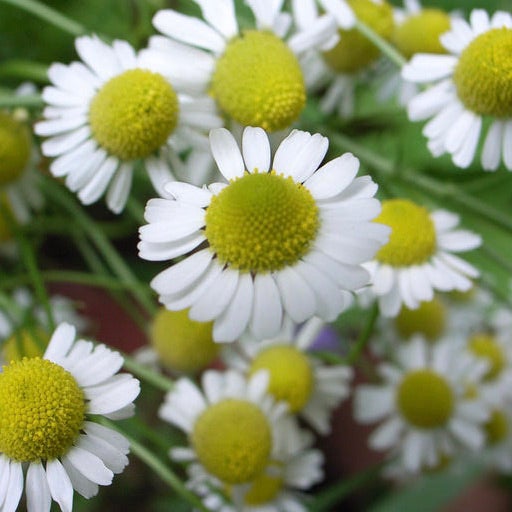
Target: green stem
364	336
24	69
156	379
387	49
159	467
12	100
49	15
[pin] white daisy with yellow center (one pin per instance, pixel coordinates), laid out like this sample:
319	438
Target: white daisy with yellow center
338	68
45	426
113	110
294	467
498	436
471	87
425	401
418	258
282	236
311	388
231	424
253	75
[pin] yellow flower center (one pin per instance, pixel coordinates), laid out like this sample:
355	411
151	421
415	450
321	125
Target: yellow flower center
261	222
182	344
420	33
264	488
25	343
291	375
497	427
355	51
233	440
134	114
413	235
429	320
486	347
258	82
484	73
425	399
42	410
15	145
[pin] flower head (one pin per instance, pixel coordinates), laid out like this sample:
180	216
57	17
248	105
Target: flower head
471	87
46	403
112	110
281	237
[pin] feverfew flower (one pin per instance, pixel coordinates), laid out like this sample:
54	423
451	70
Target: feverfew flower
418	258
340	67
110	112
294	467
427	403
311	388
471	87
254	75
282	236
231	423
62	448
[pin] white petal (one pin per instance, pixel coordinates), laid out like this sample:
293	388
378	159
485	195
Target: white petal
342	13
14	487
186	193
61	144
507	145
298	298
111	436
109	455
38	493
90	466
491	153
267	311
161	251
59	485
119	188
98	56
220	15
82	485
256	149
226	153
424	67
60	342
96	187
113	397
465	154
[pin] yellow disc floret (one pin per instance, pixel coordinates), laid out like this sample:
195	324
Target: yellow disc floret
182	344
133	114
25	343
15	145
497	427
355	51
261	222
42	410
425	399
291	375
486	347
265	487
419	33
232	440
258	82
484	73
413	235
429	320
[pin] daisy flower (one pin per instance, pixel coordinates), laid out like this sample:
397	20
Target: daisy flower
341	67
62	448
498	433
468	91
178	343
418	258
24	325
112	111
425	404
310	388
416	30
279	237
294	467
253	75
231	424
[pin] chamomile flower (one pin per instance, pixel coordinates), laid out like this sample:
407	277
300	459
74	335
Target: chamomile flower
231	424
178	343
254	76
418	258
279	237
471	88
46	403
341	67
310	388
112	111
498	436
426	404
294	467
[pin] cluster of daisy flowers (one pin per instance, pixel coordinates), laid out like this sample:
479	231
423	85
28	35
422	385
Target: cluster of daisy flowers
261	234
